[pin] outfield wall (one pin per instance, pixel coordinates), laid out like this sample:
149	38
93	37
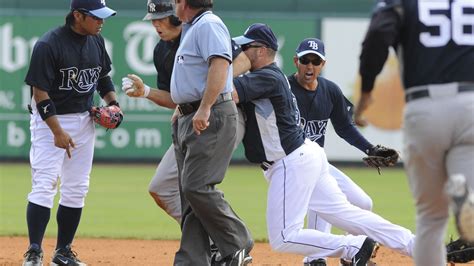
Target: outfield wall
146	133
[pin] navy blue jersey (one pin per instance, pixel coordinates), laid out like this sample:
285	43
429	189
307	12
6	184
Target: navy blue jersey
272	128
68	66
436	41
163	58
326	103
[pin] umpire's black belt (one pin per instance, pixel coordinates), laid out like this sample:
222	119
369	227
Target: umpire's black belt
462	87
266	164
188	108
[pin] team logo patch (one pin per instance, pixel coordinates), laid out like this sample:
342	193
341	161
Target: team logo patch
152	8
313	45
81	81
180	59
314	129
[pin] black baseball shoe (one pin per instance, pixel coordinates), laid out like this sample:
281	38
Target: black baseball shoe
462	204
344	262
367	251
239	258
317	262
65	256
34	256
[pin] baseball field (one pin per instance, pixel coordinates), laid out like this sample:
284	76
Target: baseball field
121	224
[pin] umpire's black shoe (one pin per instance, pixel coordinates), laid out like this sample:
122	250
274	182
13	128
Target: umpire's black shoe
318	262
34	256
239	258
367	251
65	256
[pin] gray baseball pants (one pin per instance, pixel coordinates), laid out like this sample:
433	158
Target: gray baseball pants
202	163
438	142
164	186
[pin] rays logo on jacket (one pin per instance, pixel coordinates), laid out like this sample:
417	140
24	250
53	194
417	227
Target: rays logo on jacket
314	129
80	80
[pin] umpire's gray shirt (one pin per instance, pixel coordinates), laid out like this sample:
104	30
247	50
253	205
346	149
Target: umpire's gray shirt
204	37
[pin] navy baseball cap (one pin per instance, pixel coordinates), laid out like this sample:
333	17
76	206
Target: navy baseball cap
94	7
258	32
311	46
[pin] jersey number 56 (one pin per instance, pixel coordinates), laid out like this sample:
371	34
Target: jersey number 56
431	14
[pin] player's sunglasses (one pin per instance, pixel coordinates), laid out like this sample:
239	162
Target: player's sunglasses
305	60
245	47
87	13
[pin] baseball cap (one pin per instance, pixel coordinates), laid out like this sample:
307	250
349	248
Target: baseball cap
158	9
311	46
258	32
93	7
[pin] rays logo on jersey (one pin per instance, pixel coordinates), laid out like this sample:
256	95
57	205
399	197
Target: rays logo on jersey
314	129
82	81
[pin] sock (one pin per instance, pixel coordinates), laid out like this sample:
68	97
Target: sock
37	218
68	221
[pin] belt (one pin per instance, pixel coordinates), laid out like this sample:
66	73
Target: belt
188	108
266	164
410	96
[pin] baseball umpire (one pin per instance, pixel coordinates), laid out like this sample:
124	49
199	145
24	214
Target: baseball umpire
165	183
435	43
164	188
67	66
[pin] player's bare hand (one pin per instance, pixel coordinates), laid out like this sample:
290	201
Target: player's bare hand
364	102
201	120
64	141
133	86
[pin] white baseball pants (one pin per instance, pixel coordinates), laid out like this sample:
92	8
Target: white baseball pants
50	164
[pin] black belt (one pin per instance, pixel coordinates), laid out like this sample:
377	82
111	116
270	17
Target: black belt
188	108
426	93
266	164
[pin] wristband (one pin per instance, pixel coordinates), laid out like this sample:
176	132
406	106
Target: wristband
46	109
114	102
146	90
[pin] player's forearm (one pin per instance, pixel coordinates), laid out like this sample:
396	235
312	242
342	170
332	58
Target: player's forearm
41	96
110	97
216	80
353	136
240	65
161	98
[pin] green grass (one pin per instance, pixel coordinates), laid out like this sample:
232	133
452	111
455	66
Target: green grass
118	204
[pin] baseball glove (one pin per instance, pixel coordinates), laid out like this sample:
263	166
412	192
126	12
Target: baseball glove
459	251
380	156
109	117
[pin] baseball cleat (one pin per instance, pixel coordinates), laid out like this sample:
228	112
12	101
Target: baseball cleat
34	256
462	204
367	251
317	262
65	256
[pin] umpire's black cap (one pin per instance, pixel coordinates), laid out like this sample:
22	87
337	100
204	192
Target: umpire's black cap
258	32
96	8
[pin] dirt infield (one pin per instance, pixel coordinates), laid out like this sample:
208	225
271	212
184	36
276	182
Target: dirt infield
157	252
